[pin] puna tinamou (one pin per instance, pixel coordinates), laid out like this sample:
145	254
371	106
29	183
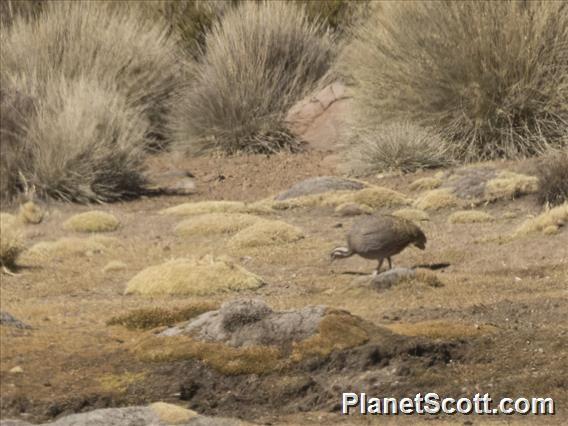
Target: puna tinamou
380	238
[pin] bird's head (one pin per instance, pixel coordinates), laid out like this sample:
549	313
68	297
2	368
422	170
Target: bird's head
420	241
339	252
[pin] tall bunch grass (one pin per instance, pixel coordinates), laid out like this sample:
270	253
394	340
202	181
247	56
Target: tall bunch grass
492	77
260	58
94	40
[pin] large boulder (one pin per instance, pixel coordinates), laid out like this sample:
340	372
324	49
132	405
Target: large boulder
250	322
319	119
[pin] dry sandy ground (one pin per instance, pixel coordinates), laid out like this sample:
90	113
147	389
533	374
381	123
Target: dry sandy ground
72	361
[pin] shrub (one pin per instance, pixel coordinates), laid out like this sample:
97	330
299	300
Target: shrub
91	40
11	10
260	59
84	143
339	15
395	146
11	241
553	178
491	76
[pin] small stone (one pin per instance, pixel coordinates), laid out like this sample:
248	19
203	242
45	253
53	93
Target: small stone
17	370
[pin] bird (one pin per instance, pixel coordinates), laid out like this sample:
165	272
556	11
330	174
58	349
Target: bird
380	238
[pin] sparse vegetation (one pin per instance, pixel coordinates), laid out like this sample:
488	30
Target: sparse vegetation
92	221
509	185
402	147
260	59
490	76
548	222
553	178
68	247
215	223
31	212
442	329
425	184
209	207
415	215
196	277
470	216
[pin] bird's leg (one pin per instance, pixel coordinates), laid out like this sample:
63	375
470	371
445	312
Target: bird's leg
376	271
390	262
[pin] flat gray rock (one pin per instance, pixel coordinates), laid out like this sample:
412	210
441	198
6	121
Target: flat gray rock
250	322
319	185
134	416
392	277
8	320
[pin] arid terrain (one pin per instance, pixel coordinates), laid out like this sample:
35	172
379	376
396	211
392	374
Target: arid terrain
493	320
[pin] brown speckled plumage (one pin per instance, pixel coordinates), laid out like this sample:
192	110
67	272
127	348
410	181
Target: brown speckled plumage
380	237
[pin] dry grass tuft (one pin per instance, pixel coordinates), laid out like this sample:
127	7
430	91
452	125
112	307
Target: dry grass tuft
412	214
114	266
548	222
216	223
425	184
553	178
93	221
261	57
148	318
394	147
207	207
470	216
30	212
437	329
509	185
197	277
266	233
71	246
11	240
436	199
490	76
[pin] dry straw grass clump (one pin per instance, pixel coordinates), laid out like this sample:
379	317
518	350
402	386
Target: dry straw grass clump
261	57
30	212
69	247
266	233
91	92
470	216
215	223
553	178
148	318
11	241
425	184
415	215
436	199
402	147
509	185
196	277
548	222
114	266
490	76
209	207
93	221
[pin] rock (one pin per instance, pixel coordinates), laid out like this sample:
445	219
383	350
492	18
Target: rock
251	322
319	185
468	183
392	277
6	319
17	370
319	119
156	414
